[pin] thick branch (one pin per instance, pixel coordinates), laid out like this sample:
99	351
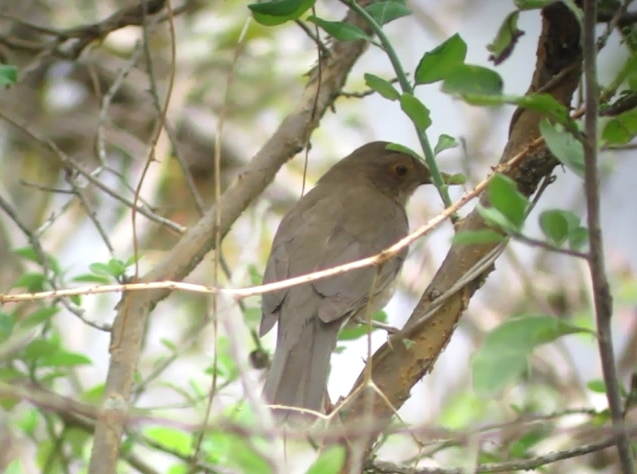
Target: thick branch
397	366
291	137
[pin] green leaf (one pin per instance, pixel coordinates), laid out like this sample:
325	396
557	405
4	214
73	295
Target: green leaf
548	105
64	359
436	64
597	386
470	79
416	111
33	282
8	75
330	461
351	332
38	349
621	129
578	238
252	316
495	218
39	316
483	236
504	355
279	11
30	254
340	30
520	448
507	37
381	86
256	278
445	142
116	267
94	394
491	372
178	441
99	268
568	150
403	149
533	4
504	196
14	467
554	226
91	278
385	12
460	410
7	323
457	178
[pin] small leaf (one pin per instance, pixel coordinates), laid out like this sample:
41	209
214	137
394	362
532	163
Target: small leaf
495	218
416	111
470	79
8	75
504	196
578	238
256	278
408	343
33	282
597	386
116	267
385	12
445	142
508	35
39	316
381	86
252	316
91	278
330	461
520	448
483	236
554	226
548	105
504	354
454	179
279	11
38	349
533	4
351	332
403	149
621	129
564	146
340	30
7	323
100	268
64	359
435	65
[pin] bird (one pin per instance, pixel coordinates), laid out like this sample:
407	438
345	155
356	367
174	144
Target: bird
356	210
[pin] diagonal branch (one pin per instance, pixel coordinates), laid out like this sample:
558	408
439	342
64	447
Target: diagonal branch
292	136
398	366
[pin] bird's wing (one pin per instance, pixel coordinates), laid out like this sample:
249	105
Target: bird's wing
325	231
377	226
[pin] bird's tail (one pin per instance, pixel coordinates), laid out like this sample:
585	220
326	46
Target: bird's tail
300	367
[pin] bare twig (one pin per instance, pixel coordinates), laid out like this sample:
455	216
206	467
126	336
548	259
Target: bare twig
601	291
377	259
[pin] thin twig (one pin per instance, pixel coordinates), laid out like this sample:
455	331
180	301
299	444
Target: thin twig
601	291
546	245
377	259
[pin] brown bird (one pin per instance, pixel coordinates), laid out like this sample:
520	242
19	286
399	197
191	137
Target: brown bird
356	210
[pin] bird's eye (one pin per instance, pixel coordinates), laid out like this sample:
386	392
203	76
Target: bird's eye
401	170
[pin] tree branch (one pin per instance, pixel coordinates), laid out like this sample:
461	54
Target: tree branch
291	136
396	366
601	290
